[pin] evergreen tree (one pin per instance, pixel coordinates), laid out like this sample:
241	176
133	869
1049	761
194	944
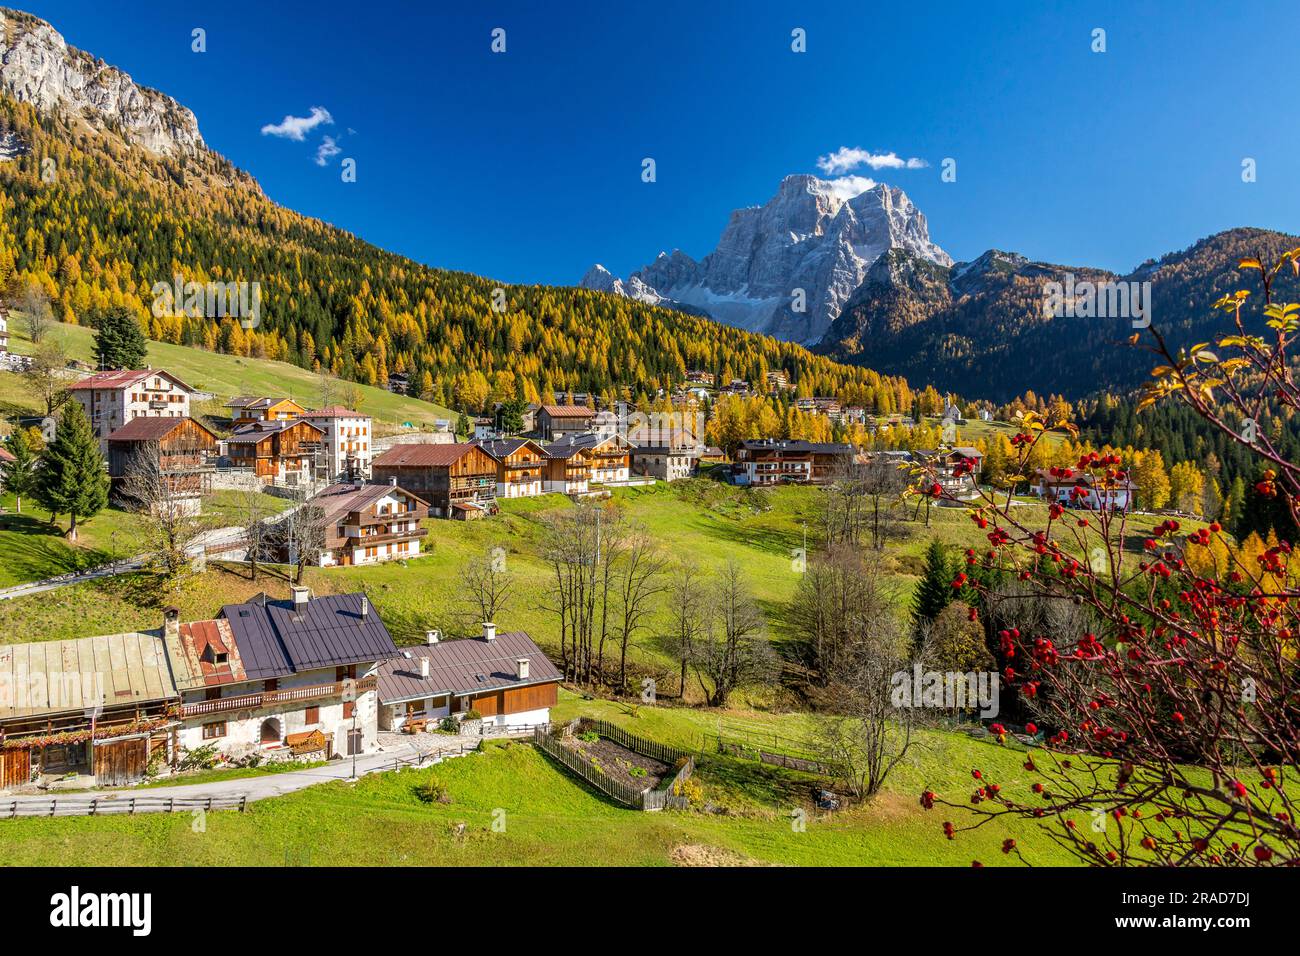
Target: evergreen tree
464	427
934	592
18	477
1260	514
512	416
119	340
71	478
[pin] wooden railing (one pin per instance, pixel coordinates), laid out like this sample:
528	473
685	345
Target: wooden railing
270	698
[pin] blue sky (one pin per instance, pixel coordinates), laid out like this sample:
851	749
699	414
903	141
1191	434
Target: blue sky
526	166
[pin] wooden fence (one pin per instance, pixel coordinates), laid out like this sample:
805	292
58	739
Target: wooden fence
80	806
661	797
647	748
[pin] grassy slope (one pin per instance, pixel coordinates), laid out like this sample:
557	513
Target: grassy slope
32	549
550	818
223	375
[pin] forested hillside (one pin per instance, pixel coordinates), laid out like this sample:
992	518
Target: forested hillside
97	222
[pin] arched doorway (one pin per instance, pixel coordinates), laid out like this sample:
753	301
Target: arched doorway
270	731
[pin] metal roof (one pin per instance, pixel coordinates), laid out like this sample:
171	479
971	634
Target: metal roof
55	677
275	640
465	666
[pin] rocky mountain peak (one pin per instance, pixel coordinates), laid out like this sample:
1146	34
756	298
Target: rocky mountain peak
787	267
37	66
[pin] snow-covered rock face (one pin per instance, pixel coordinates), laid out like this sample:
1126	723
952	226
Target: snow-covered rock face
37	66
808	237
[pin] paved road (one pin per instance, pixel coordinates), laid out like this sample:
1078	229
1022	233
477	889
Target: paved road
251	788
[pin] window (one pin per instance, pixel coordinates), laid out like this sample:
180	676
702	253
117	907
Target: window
273	684
214	730
354	742
349	708
312	715
212	693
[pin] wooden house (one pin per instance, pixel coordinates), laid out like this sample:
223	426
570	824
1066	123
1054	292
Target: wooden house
166	460
556	421
88	711
458	480
567	469
276	449
521	464
246	409
609	457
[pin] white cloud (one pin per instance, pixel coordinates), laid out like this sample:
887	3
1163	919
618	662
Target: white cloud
296	128
328	148
846	187
848	158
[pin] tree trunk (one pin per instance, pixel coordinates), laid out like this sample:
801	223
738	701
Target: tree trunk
72	529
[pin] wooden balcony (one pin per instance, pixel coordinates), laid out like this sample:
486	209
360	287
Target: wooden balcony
272	698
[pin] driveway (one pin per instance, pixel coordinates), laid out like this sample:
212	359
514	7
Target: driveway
394	756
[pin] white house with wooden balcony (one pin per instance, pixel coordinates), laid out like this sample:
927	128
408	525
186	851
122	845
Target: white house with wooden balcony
368	524
280	680
504	679
111	399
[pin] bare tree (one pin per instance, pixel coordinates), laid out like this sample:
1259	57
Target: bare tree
168	506
298	536
255	515
581	546
35	306
843	599
735	652
863	733
46	375
862	500
486	585
638	578
689	613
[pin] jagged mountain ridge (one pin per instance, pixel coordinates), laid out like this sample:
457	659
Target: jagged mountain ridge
810	236
980	327
38	66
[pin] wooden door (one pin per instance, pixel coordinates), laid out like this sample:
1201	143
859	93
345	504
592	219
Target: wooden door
120	763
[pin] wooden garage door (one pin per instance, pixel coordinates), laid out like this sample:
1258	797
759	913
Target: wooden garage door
15	768
121	762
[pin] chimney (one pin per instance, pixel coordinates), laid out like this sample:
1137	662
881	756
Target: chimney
521	665
392	481
300	598
489	631
171	622
365	607
424	667
432	637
